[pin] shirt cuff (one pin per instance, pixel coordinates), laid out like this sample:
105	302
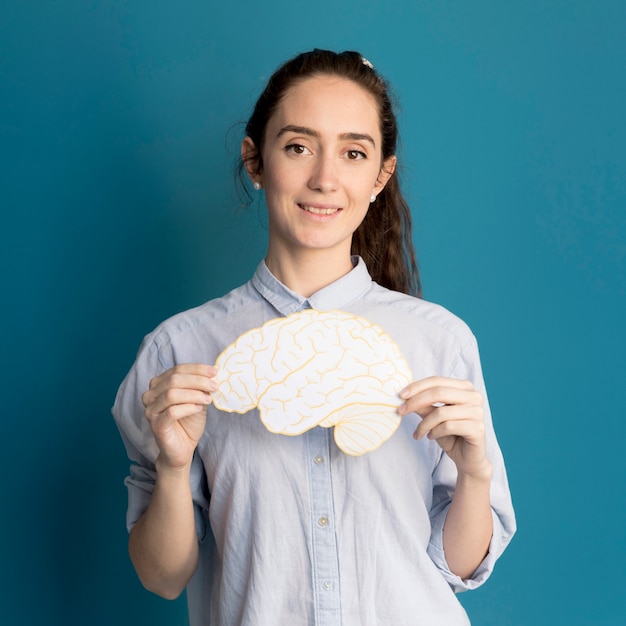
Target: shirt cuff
140	485
483	571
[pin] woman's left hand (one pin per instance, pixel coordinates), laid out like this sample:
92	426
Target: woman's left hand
452	414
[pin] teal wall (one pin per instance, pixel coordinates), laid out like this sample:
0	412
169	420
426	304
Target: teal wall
118	210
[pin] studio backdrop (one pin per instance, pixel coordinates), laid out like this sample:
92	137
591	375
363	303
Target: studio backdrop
120	123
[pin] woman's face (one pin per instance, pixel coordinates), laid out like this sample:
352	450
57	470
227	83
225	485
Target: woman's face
322	162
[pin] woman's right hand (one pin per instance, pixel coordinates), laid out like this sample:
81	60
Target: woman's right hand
176	407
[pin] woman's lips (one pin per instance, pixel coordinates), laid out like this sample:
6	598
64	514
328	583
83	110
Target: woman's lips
319	210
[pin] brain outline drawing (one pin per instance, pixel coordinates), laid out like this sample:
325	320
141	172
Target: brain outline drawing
317	368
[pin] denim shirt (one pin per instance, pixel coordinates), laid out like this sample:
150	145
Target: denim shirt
291	530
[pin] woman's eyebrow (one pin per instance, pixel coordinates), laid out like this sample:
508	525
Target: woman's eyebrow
303	130
358	137
300	130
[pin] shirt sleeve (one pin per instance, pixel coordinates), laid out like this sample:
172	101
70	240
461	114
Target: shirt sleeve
444	480
141	448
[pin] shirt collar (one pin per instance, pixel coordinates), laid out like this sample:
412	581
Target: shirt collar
334	296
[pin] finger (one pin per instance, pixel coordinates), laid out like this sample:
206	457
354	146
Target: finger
187	381
193	369
166	419
453	414
172	397
471	432
420	386
450	412
178	380
432	398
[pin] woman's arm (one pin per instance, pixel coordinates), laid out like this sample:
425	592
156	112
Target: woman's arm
468	527
163	544
452	414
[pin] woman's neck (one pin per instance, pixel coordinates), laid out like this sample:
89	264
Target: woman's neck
308	271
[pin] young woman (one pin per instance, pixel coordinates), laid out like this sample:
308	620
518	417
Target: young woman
263	529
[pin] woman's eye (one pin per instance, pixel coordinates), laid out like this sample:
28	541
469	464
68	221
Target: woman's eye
355	155
296	148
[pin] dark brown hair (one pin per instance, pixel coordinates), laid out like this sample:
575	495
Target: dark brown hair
384	237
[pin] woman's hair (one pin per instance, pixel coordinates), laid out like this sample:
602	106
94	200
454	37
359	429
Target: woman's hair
384	237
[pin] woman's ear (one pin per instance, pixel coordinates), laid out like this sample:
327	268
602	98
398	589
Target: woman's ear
386	172
251	160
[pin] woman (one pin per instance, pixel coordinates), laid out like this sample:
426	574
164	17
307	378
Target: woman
266	529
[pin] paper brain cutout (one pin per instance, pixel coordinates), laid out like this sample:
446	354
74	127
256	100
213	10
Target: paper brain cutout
317	368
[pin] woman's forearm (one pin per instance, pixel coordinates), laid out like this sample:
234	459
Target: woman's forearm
468	527
163	545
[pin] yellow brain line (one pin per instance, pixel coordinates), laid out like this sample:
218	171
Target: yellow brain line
317	368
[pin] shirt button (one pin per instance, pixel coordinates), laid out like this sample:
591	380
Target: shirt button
327	585
318	460
323	521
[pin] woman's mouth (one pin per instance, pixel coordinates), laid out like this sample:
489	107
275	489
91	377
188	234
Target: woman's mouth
319	210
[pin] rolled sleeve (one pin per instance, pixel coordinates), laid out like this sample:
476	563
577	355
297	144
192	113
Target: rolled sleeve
499	540
140	444
444	481
140	484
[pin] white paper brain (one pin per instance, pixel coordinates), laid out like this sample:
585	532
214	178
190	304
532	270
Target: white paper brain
317	368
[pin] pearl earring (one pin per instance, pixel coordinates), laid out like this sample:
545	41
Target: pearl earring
257	185
372	199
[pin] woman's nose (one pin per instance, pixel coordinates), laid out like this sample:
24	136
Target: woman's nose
324	175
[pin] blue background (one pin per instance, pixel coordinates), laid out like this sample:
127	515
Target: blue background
119	123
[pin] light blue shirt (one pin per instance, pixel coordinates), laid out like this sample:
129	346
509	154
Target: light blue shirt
292	531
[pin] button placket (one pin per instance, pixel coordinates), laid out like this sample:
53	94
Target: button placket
324	542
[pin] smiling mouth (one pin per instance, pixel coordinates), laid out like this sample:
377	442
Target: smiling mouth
318	210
